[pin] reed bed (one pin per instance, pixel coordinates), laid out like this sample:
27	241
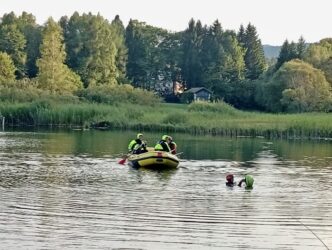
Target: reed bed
197	118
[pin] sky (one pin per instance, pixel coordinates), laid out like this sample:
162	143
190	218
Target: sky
275	21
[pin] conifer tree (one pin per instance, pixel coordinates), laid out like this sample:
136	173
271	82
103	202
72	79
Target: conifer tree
241	35
287	52
192	54
120	44
301	48
254	57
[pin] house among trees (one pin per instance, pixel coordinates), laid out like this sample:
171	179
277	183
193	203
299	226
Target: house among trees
197	94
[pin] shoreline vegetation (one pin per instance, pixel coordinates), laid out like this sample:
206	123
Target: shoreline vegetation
217	118
85	71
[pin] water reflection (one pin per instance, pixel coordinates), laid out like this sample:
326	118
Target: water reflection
64	190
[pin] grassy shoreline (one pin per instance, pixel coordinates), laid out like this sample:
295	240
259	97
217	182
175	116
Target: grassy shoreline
197	118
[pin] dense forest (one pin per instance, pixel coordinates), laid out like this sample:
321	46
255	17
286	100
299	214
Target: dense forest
89	57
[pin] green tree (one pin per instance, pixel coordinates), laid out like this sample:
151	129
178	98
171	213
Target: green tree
90	48
222	61
298	87
146	61
287	52
121	58
26	24
320	55
191	65
290	51
254	57
241	35
13	42
53	74
32	33
7	69
234	64
301	48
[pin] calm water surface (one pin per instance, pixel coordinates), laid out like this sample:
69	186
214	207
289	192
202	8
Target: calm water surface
65	190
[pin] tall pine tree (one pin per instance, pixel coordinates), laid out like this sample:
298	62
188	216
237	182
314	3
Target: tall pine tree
254	57
287	53
192	54
121	58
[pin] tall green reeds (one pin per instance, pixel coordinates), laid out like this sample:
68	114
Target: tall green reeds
197	118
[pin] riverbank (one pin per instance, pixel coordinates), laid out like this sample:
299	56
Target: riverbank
197	118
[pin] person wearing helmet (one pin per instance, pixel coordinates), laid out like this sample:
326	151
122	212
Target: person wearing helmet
138	145
172	145
163	144
230	180
248	180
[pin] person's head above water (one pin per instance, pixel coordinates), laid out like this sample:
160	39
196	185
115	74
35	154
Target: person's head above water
230	178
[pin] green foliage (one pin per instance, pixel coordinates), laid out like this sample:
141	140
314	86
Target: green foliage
26	90
290	51
170	117
191	65
118	94
53	74
147	60
32	33
7	69
317	54
26	24
13	42
122	51
298	87
91	47
320	55
254	57
287	53
222	60
326	67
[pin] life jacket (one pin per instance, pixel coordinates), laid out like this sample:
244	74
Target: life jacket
162	146
134	144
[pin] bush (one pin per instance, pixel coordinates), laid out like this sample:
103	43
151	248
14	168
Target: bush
25	90
118	94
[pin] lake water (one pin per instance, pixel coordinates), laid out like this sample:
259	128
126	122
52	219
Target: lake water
65	190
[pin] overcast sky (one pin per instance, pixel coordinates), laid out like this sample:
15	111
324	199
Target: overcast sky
275	20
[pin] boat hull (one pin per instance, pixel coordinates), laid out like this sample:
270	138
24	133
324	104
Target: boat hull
154	159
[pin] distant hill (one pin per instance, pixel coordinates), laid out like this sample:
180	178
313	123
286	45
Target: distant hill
271	51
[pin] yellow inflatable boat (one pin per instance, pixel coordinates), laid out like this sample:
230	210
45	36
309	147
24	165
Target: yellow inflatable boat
154	159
